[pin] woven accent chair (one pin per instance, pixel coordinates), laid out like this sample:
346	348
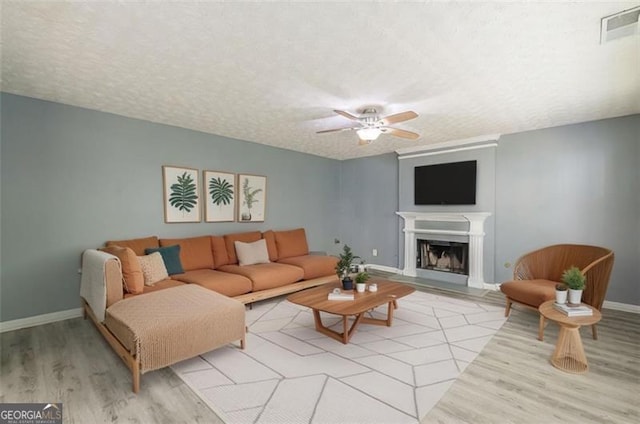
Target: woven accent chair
536	274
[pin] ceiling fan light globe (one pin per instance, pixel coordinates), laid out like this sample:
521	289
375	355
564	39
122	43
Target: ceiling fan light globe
369	134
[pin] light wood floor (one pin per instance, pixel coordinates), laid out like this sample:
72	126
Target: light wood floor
511	381
70	362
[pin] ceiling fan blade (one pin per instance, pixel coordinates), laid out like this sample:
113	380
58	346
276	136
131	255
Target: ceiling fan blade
398	117
337	129
402	133
346	115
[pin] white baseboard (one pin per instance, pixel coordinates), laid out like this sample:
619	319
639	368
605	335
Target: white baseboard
383	268
626	307
491	286
17	324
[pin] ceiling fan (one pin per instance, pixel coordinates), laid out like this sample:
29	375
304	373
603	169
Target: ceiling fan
371	125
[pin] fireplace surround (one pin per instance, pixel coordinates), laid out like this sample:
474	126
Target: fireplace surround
473	234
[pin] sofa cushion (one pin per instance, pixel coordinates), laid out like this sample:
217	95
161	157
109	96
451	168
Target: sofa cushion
314	266
171	258
219	250
252	253
230	240
195	252
267	276
530	292
291	243
137	245
131	272
153	268
160	285
221	282
270	238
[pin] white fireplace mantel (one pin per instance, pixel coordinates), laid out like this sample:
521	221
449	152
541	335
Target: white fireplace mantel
475	233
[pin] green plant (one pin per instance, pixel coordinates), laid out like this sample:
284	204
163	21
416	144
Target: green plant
183	193
561	287
574	278
249	194
344	261
221	191
362	277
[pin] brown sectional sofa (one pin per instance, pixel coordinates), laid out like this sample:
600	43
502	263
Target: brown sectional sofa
211	262
213	317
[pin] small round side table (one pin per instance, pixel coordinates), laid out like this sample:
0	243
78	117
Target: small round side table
569	353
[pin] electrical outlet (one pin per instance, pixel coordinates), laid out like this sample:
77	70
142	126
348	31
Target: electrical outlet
374	252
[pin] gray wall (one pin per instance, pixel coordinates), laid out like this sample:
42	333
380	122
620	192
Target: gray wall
573	184
369	202
73	178
485	194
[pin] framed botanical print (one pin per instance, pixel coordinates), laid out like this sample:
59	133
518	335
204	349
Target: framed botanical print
181	194
252	198
220	196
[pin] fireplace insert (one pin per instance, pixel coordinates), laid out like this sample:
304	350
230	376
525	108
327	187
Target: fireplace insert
445	256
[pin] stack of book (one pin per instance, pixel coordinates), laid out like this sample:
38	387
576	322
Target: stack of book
338	295
574	310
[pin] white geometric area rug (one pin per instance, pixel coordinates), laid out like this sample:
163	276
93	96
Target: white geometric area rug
289	373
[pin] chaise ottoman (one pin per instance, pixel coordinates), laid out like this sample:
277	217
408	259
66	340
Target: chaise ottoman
158	329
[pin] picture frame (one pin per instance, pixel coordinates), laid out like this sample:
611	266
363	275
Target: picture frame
182	196
219	194
252	197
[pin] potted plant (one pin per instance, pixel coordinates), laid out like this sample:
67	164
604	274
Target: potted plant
361	281
342	267
561	294
575	280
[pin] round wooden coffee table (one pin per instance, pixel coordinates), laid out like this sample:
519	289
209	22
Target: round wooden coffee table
569	353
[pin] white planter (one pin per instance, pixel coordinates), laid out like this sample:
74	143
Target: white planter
561	296
360	287
575	296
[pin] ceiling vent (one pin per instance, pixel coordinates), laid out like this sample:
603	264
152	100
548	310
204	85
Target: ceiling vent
622	24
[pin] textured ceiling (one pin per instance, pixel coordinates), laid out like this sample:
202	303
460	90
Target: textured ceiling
272	72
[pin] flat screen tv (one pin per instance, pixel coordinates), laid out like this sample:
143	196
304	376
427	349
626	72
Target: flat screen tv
446	184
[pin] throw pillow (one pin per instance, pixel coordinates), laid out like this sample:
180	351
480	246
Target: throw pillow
137	245
230	239
252	253
153	268
171	257
131	273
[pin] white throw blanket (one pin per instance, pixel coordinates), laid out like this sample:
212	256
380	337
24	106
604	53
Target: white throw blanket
93	284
